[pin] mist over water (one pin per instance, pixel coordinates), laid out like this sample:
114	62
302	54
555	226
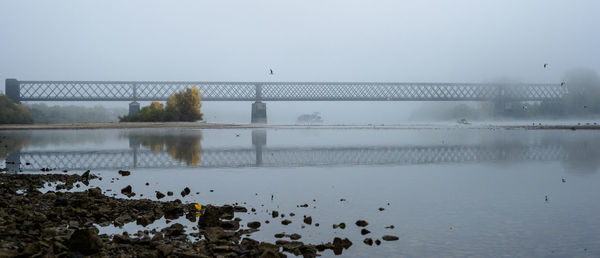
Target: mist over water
459	192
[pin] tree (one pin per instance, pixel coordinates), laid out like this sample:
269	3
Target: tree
181	106
185	105
13	113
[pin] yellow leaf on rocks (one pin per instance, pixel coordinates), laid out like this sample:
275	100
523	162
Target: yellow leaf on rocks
198	206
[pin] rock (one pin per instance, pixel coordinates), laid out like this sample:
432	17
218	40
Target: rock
127	191
85	174
85	241
124	173
389	238
121	239
364	231
377	242
174	230
248	244
185	192
368	241
295	236
279	235
361	223
95	192
159	195
341	225
308	220
286	222
254	224
165	249
275	214
381	209
390	227
169	193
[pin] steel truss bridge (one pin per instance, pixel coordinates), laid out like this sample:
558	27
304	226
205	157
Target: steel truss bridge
279	91
134	91
285	156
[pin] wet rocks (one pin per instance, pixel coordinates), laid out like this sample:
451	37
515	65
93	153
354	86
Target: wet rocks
169	193
254	224
381	209
275	214
361	223
124	172
286	222
389	238
61	224
364	231
368	241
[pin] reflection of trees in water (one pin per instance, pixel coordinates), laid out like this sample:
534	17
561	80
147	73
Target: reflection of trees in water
181	146
11	142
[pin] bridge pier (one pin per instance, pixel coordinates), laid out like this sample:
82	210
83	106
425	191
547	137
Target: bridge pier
134	108
259	113
13	90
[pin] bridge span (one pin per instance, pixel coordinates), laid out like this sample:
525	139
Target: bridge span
258	92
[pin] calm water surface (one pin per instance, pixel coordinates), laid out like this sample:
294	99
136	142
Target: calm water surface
451	192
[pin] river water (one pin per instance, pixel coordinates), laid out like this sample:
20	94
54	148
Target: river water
447	191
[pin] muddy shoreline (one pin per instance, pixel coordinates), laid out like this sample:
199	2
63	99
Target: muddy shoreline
197	125
109	125
62	224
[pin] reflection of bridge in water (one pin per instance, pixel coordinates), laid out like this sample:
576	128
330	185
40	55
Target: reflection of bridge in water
261	156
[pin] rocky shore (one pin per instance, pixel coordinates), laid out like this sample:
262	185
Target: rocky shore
63	224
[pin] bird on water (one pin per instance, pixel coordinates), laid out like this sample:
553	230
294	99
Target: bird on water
271	72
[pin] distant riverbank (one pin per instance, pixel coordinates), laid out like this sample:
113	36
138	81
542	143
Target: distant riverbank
104	125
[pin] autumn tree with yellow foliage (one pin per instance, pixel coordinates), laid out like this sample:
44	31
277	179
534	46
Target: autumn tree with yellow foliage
181	106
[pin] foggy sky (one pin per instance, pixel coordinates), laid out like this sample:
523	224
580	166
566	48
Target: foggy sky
405	41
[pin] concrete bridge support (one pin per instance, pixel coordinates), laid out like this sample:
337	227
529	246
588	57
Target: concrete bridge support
13	90
259	113
134	108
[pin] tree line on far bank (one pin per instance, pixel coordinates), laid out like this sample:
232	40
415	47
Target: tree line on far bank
181	106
